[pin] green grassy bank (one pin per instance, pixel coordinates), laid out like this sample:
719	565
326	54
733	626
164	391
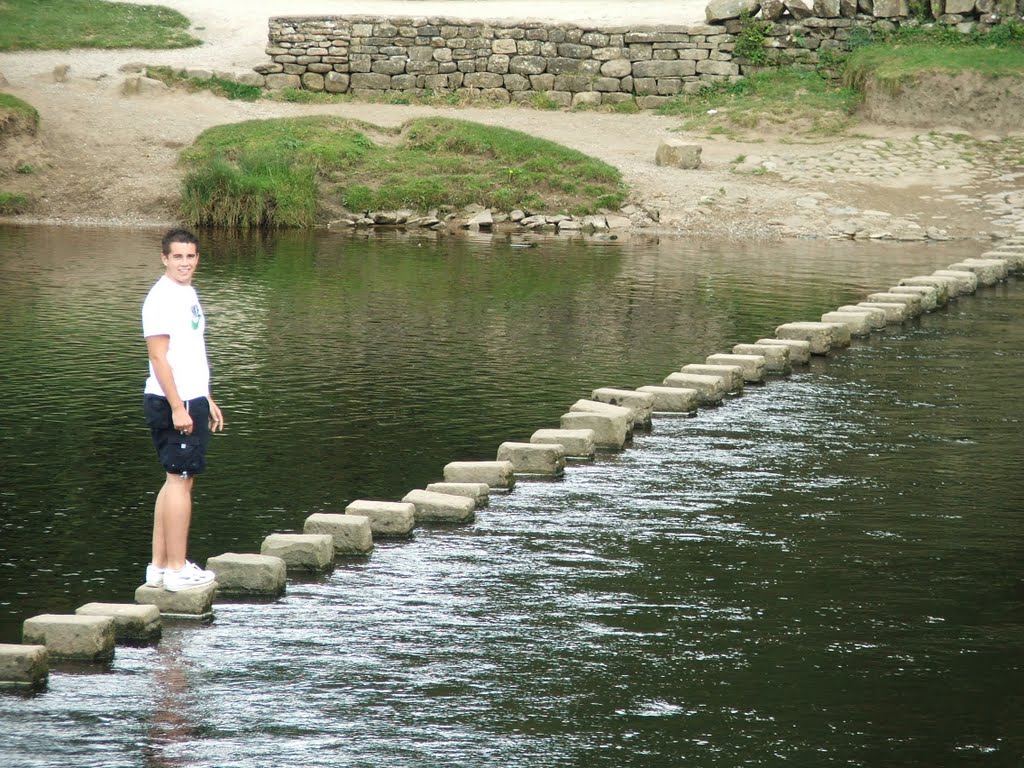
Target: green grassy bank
280	173
63	24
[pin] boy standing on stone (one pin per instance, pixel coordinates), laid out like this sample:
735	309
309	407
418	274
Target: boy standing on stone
178	407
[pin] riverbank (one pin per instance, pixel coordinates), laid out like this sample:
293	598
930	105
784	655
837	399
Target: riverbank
101	157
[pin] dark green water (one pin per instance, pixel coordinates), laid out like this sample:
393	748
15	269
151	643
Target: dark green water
826	571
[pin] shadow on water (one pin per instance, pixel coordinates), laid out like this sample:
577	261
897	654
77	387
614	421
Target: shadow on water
820	572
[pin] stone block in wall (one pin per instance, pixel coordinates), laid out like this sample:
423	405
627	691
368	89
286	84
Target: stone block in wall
385	29
959	6
723	68
286	58
404	82
421	53
268	69
498	63
506	47
563	66
771	10
664	68
359	62
499	95
278	81
527	47
466	66
320	68
627	84
483	80
641	52
537	33
251	78
607	84
594	39
696	54
585	99
515	83
312	81
652	102
424	67
720	10
393	66
664	55
336	82
800	9
669	86
570	51
447	68
826	9
544	82
548	50
443	54
438	82
615	98
617	68
645	86
373	81
573	83
556	35
885	9
608	54
561	98
294	69
573	35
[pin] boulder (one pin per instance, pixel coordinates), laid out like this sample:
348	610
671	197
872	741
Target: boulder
137	85
799	9
723	10
678	154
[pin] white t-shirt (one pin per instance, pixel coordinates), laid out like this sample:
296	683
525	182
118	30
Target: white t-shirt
172	309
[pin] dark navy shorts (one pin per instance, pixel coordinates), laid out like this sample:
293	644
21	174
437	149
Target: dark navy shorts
179	454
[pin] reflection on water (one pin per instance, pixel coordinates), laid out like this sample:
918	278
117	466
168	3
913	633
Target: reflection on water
822	571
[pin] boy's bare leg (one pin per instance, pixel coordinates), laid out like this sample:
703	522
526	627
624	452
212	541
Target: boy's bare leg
171	519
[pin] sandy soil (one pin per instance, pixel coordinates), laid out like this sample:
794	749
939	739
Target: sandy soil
102	157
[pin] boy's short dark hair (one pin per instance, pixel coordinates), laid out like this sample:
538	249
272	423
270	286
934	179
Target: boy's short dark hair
177	236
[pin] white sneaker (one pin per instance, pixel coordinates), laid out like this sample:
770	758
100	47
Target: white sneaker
154	576
189	577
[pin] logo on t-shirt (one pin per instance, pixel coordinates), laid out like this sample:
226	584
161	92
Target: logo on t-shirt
196	317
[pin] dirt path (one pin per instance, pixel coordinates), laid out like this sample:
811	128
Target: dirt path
102	157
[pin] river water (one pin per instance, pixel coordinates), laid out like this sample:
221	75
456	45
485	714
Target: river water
824	571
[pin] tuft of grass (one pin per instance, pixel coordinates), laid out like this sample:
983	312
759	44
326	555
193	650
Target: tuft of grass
17	116
275	173
801	100
64	24
217	85
12	204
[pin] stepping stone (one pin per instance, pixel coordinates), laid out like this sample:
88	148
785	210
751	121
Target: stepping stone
301	551
195	604
248	574
876	315
820	337
929	296
732	374
72	638
351	533
433	507
776	356
912	302
968	280
640	403
857	323
989	271
387	518
946	287
576	443
23	666
673	399
593	406
478	492
610	430
799	351
895	313
753	365
133	624
494	474
533	458
710	389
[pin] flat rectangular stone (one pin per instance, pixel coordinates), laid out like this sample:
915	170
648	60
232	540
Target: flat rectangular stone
929	296
968	280
857	322
912	302
249	574
352	534
640	403
894	313
731	374
710	389
133	624
23	666
989	271
433	507
593	406
301	551
946	287
673	399
753	365
533	458
576	443
875	315
495	474
840	334
478	492
74	638
820	336
1012	255
776	356
799	351
195	603
387	518
610	430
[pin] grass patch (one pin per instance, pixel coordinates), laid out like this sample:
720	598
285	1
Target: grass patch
803	102
904	55
63	24
226	88
12	204
278	173
17	116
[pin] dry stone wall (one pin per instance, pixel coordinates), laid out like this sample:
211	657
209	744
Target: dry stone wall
567	64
